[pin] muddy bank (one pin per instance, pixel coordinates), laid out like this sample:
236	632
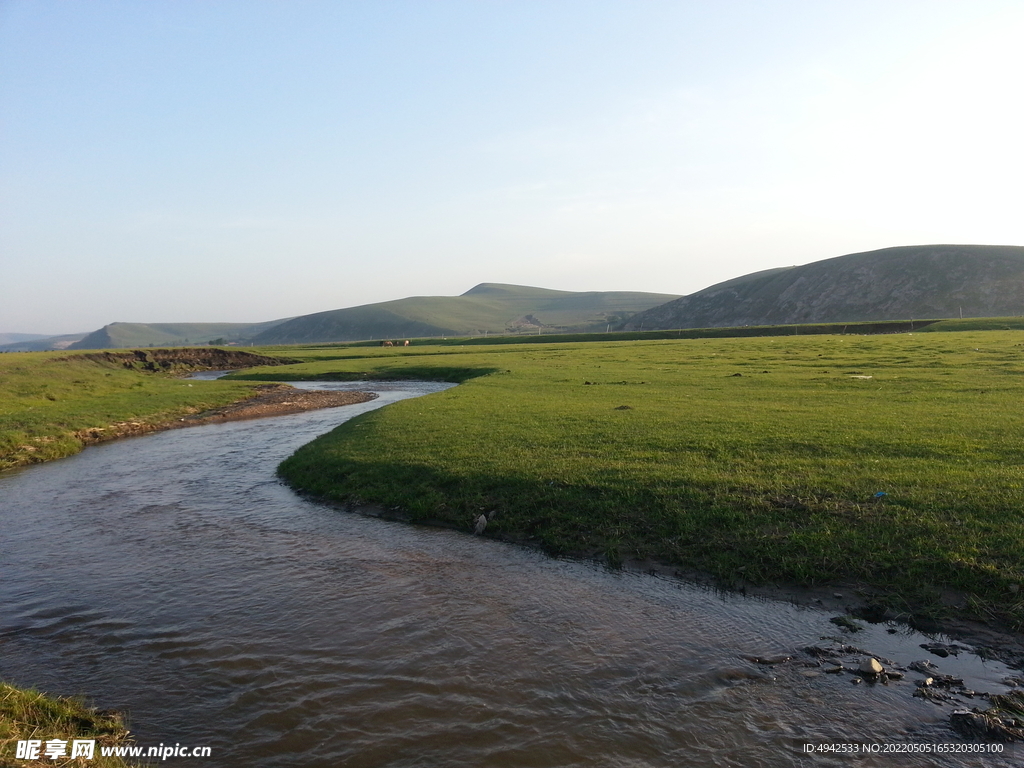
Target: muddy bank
275	400
268	400
180	359
864	604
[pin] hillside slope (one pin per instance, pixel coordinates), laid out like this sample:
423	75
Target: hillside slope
43	343
15	338
124	335
920	281
486	308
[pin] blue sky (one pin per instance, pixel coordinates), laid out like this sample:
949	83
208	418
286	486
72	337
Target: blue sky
209	160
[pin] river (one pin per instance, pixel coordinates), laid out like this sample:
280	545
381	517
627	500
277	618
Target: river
174	577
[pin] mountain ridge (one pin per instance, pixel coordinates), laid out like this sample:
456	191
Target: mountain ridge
889	284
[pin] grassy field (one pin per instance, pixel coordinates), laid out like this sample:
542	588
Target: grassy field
51	404
894	460
27	714
804	329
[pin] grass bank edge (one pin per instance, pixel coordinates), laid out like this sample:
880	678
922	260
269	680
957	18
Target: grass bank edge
733	532
52	404
535	516
26	713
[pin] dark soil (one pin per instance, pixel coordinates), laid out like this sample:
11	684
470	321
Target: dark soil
990	640
181	359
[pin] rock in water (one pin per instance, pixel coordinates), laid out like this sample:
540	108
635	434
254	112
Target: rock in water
870	666
970	725
481	523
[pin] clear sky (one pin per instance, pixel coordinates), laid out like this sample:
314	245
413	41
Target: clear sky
242	160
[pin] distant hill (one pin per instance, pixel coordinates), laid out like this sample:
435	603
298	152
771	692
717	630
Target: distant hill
40	343
918	281
14	338
910	282
123	335
486	308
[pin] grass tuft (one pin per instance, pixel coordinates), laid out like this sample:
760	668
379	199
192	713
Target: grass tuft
28	714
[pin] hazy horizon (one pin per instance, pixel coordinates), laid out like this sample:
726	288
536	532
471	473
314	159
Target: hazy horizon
234	161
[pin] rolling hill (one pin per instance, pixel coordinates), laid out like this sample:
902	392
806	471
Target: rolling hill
920	281
486	308
40	343
16	338
892	284
123	335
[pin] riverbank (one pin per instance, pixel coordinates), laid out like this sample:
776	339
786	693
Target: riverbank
266	400
27	714
54	404
891	462
862	603
275	400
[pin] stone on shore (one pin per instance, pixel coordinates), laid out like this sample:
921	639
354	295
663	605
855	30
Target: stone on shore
870	666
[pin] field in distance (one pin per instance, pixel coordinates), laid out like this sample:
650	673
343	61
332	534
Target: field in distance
891	460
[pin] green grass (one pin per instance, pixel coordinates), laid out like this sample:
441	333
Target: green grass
978	324
46	398
805	329
28	714
775	470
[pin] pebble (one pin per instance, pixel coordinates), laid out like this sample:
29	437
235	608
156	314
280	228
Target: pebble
870	666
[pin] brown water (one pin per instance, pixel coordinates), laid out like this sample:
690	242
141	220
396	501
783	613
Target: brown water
173	576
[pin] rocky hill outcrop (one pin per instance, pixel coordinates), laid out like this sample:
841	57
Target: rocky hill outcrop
922	281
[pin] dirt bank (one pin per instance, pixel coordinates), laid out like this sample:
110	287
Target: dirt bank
181	359
276	400
991	640
268	400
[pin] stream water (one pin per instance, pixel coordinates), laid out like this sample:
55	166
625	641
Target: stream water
174	577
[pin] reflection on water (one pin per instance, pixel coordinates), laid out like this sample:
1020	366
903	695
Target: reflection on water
172	575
